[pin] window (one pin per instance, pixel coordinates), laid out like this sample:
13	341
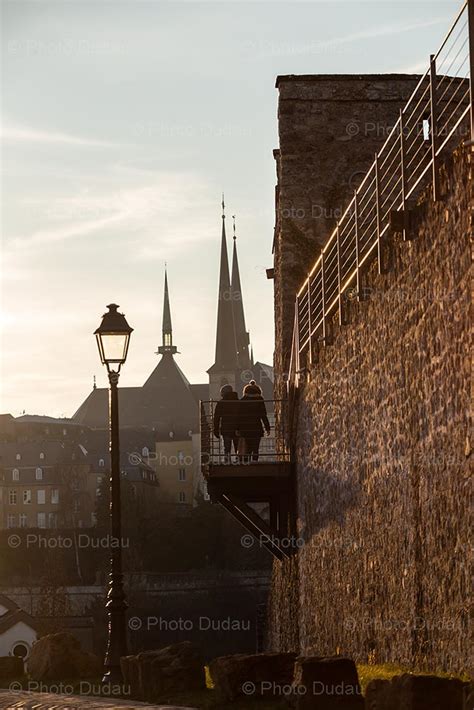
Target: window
15	474
97	492
182	474
41	520
64	432
145	452
18	457
55	496
11	521
77	506
52	520
41	455
93	519
99	479
20	650
23	520
12	497
41	497
182	497
101	462
39	474
27	496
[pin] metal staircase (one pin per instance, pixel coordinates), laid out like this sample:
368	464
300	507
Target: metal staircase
259	494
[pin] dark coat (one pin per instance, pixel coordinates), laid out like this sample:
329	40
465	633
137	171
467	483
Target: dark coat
226	414
253	416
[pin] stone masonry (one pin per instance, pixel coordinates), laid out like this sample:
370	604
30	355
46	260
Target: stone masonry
330	127
383	490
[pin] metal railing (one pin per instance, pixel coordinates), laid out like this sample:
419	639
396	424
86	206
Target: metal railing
435	118
272	447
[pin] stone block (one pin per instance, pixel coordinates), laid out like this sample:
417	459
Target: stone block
253	676
416	692
60	657
326	684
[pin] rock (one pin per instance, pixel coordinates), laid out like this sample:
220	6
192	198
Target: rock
11	667
151	674
60	657
326	684
416	692
252	675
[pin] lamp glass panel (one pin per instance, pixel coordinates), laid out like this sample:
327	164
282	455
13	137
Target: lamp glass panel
114	346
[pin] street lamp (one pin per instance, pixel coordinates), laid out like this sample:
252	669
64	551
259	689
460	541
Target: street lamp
113	337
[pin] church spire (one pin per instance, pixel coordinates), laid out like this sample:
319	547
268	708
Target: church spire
226	347
241	335
167	330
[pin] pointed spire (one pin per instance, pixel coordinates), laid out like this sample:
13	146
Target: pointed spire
226	346
241	335
167	330
94	384
252	363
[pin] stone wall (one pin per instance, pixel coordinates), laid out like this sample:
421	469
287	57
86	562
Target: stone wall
383	455
329	129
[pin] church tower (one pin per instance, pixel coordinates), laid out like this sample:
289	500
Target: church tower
225	369
167	331
241	334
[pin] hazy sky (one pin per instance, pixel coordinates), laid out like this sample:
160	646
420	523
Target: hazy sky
122	124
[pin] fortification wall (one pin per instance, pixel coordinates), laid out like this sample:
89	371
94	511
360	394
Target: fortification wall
383	456
329	129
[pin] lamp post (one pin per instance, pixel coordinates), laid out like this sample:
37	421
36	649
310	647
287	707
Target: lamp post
113	337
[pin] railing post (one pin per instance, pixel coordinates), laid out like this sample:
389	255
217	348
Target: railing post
433	126
377	207
342	320
470	29
360	293
325	337
297	341
310	327
403	176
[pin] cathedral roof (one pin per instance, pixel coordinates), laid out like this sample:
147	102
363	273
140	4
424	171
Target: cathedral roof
166	403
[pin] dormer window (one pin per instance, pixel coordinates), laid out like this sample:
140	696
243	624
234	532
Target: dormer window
41	455
39	474
16	474
145	452
101	462
18	457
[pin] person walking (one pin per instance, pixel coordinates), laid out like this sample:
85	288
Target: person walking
253	419
226	420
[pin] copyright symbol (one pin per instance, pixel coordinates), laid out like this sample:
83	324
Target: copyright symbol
352	128
246	376
135	623
248	688
14	541
246	541
349	624
351	294
16	685
134	458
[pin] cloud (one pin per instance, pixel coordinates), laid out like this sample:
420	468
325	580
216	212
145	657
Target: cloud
15	133
163	216
375	32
